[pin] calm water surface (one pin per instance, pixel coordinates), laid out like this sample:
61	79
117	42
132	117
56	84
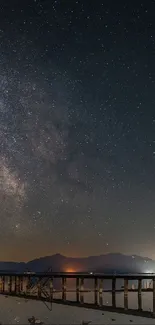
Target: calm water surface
17	311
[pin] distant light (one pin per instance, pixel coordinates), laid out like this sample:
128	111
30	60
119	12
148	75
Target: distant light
91	272
70	270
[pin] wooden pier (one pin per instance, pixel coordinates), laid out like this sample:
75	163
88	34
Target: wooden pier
40	286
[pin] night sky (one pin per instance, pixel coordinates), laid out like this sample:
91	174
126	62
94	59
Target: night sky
77	128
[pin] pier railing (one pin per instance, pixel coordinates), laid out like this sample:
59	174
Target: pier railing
41	286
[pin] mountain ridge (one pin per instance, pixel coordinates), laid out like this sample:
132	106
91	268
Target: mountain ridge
112	262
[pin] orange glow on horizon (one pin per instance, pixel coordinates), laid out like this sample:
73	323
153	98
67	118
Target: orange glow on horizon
70	270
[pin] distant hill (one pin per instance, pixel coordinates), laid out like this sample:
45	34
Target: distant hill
108	263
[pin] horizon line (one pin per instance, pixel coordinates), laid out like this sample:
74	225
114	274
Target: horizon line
76	257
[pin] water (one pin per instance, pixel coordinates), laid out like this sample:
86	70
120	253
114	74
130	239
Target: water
17	311
147	301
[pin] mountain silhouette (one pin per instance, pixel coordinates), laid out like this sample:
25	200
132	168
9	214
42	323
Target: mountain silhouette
108	263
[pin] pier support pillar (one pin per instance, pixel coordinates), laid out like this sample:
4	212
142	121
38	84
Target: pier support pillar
21	284
126	294
77	289
64	288
0	284
28	281
153	297
101	286
10	284
51	289
81	290
18	284
3	284
96	291
39	290
101	292
139	294
15	284
114	292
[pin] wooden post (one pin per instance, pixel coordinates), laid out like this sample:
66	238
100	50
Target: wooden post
153	297
39	290
100	300
3	284
96	291
125	294
101	286
51	289
77	289
18	284
28	285
10	284
21	284
81	290
0	284
139	294
101	292
64	288
15	284
114	292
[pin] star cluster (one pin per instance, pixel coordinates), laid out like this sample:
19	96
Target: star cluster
77	128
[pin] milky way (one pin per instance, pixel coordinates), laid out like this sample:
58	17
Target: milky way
34	138
77	128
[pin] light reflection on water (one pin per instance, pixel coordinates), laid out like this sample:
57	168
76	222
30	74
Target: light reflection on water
89	297
17	311
147	303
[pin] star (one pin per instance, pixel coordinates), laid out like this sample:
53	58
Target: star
76	129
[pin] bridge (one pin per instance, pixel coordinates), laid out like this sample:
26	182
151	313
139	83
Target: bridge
44	286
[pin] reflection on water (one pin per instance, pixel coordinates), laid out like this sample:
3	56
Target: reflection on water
147	303
17	311
147	300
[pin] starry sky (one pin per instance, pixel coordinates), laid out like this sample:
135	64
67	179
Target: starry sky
77	128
